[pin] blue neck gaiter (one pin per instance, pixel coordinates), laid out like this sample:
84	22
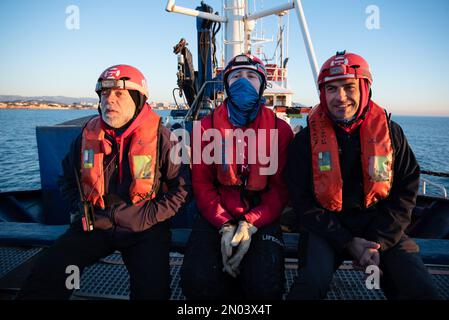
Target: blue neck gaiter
244	102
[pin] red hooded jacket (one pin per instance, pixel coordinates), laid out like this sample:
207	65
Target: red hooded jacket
219	204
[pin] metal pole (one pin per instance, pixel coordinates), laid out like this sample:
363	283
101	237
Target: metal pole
274	10
307	40
286	46
194	13
234	29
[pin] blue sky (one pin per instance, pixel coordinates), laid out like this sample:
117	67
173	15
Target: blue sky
40	56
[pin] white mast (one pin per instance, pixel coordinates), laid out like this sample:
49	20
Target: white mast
234	20
234	11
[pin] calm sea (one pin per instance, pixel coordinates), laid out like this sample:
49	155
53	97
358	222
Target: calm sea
19	167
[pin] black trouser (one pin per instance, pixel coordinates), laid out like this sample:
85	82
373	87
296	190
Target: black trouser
262	268
404	274
145	254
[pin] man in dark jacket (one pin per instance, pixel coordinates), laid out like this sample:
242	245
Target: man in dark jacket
354	180
121	162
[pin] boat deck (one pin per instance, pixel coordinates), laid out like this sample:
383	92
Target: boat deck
108	279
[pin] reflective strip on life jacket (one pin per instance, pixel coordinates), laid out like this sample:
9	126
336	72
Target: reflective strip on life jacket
142	156
227	173
376	158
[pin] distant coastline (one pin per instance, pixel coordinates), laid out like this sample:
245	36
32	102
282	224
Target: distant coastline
66	103
156	106
59	106
44	106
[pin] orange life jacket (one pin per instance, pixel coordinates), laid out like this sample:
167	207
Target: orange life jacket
227	173
376	158
143	158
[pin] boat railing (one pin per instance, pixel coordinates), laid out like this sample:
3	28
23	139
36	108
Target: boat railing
193	111
426	182
276	73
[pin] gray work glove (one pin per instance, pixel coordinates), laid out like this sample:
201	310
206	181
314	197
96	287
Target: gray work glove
227	233
241	240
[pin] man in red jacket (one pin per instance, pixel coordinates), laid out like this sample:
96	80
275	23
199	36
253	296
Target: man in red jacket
236	248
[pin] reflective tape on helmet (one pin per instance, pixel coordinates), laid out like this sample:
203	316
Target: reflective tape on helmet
343	76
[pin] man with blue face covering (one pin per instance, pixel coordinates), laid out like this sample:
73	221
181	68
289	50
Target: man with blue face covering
235	249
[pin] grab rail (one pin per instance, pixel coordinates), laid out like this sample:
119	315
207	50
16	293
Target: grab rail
425	182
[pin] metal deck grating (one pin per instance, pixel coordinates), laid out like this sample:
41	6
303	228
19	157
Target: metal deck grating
350	284
12	257
175	268
110	281
442	282
115	258
109	278
104	281
346	285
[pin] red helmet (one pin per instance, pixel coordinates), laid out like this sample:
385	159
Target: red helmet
343	66
122	76
246	61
